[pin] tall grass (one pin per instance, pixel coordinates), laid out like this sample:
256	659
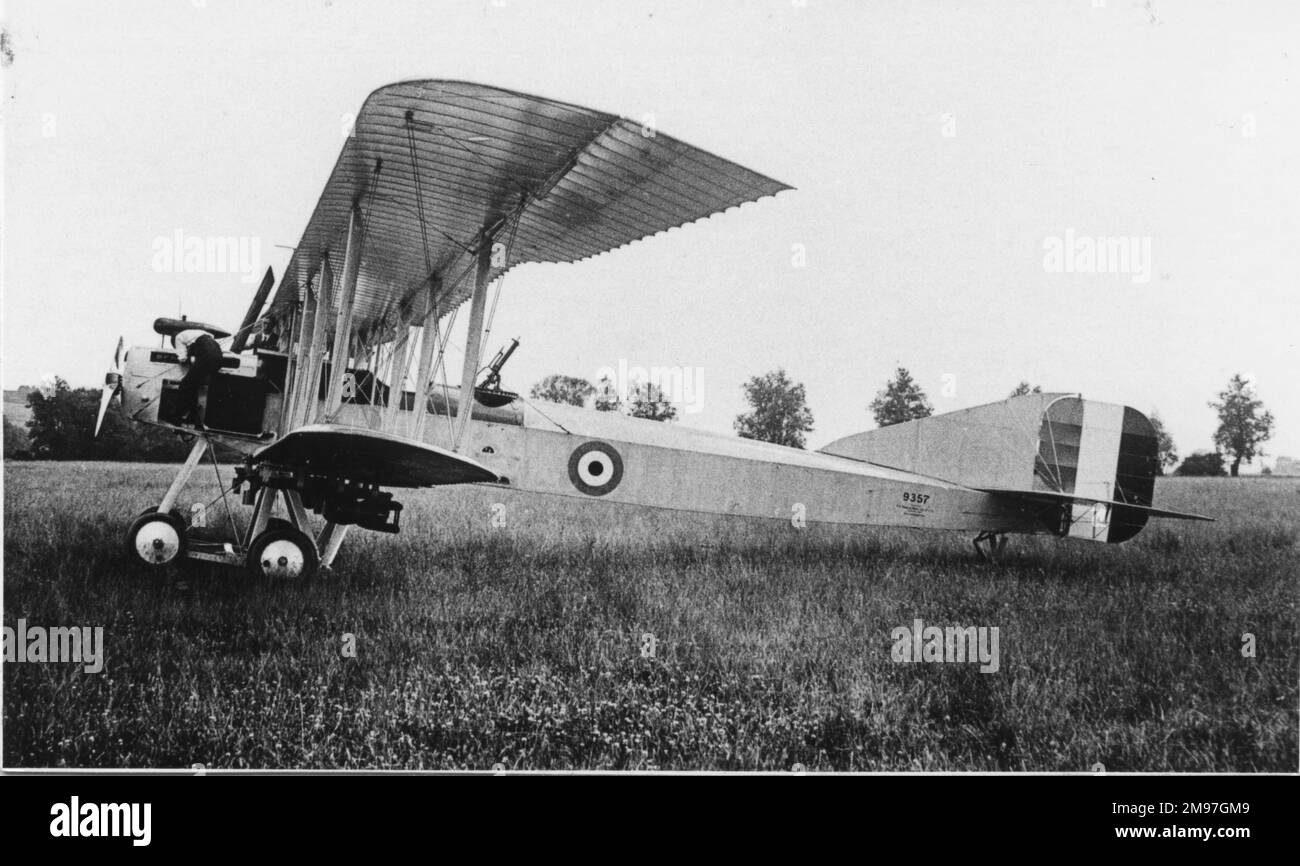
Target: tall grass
522	644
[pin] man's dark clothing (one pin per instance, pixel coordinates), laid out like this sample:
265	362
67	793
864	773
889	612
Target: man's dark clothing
205	359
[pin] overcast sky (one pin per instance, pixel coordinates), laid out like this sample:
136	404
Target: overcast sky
937	150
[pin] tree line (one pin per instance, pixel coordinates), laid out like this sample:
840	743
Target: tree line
63	420
62	427
779	414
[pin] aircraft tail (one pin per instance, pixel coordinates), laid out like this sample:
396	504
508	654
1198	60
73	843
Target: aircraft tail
1087	468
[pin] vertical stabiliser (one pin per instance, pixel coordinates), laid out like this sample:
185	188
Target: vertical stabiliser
1095	475
1101	452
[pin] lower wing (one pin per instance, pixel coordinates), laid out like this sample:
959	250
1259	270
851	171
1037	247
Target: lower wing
371	457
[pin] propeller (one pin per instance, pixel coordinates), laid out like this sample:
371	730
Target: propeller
112	384
255	308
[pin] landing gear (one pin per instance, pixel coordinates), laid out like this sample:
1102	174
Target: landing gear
989	545
280	549
157	538
283	553
271	547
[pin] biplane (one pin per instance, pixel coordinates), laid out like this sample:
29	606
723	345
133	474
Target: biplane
335	388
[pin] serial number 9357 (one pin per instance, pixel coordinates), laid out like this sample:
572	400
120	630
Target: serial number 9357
918	498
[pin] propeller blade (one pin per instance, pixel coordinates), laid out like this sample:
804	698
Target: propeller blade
254	310
110	391
112	384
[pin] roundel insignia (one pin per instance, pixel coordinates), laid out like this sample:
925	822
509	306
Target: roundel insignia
595	468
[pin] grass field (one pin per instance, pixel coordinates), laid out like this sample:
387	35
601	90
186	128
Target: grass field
522	644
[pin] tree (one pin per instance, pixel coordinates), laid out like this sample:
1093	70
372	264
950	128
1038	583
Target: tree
62	427
778	413
607	399
646	400
558	388
1202	463
15	442
1166	453
1243	424
1023	388
59	429
900	400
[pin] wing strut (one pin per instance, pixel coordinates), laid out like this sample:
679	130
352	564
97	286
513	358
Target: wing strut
430	342
343	324
473	339
397	378
306	339
291	367
308	394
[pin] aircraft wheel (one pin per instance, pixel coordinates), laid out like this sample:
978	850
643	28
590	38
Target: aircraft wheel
157	539
283	553
278	523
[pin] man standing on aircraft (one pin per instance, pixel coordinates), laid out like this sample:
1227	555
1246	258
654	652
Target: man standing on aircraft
266	336
201	351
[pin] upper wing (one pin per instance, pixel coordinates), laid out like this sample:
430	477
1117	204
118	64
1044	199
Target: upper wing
431	165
